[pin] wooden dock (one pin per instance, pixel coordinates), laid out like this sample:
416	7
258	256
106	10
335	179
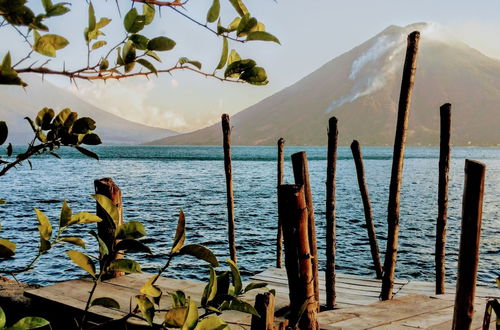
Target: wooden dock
414	306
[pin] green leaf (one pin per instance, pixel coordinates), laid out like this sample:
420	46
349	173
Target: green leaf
140	41
105	302
234	24
44	245
103	22
210	290
224	54
262	35
44	118
220	28
241	306
133	22
49	43
103	248
247	23
213	12
238	67
84	218
83	125
92	20
66	215
104	64
233	57
200	252
150	289
146	307
191	317
73	240
125	265
87	152
45	228
6	64
4	132
178	298
108	206
236	276
83	261
153	55
240	7
212	322
255	76
61	117
253	286
91	139
99	44
161	44
175	317
7	248
130	230
184	60
30	322
132	245
3	318
147	65
180	233
149	13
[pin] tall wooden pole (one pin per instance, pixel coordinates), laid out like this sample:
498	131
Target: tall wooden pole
226	131
331	236
298	258
301	175
281	178
468	257
370	227
105	230
409	69
444	168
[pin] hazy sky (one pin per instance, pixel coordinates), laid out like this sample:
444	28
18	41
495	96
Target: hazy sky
311	32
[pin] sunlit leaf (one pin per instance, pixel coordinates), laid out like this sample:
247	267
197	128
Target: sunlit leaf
239	6
149	13
178	298
161	44
241	306
103	22
147	65
200	252
99	44
66	214
146	307
213	12
180	233
253	286
262	35
30	322
108	206
130	230
7	248
83	261
233	57
224	54
92	20
150	289
234	24
44	227
212	322
3	318
236	276
84	218
125	265
210	289
191	317
152	54
44	118
61	117
176	317
48	44
73	240
103	248
105	302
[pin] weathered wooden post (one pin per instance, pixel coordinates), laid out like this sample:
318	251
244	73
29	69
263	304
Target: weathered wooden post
444	168
301	175
297	254
264	305
281	178
226	131
106	232
331	236
370	227
409	69
468	257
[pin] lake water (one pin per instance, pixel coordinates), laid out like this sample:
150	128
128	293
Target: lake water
158	181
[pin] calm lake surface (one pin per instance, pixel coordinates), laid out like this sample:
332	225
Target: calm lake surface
159	181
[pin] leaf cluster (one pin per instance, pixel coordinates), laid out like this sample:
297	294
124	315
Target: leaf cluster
29	322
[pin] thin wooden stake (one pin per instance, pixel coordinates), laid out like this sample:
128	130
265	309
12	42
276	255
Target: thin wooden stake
106	232
370	227
226	130
281	177
409	69
444	168
331	236
264	305
301	174
468	257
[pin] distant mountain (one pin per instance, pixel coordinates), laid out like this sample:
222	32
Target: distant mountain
361	88
17	103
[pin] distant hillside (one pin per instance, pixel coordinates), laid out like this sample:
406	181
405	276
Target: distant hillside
17	103
361	88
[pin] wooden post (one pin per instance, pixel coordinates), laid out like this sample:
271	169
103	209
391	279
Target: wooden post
226	130
468	257
409	69
444	168
297	254
281	176
370	227
301	174
264	305
331	236
106	232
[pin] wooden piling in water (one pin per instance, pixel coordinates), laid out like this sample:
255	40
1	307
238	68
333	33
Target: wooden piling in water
226	131
331	236
298	258
281	178
105	230
409	69
301	175
444	168
264	305
370	227
468	257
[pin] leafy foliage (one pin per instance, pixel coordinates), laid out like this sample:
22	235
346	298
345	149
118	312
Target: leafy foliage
29	322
